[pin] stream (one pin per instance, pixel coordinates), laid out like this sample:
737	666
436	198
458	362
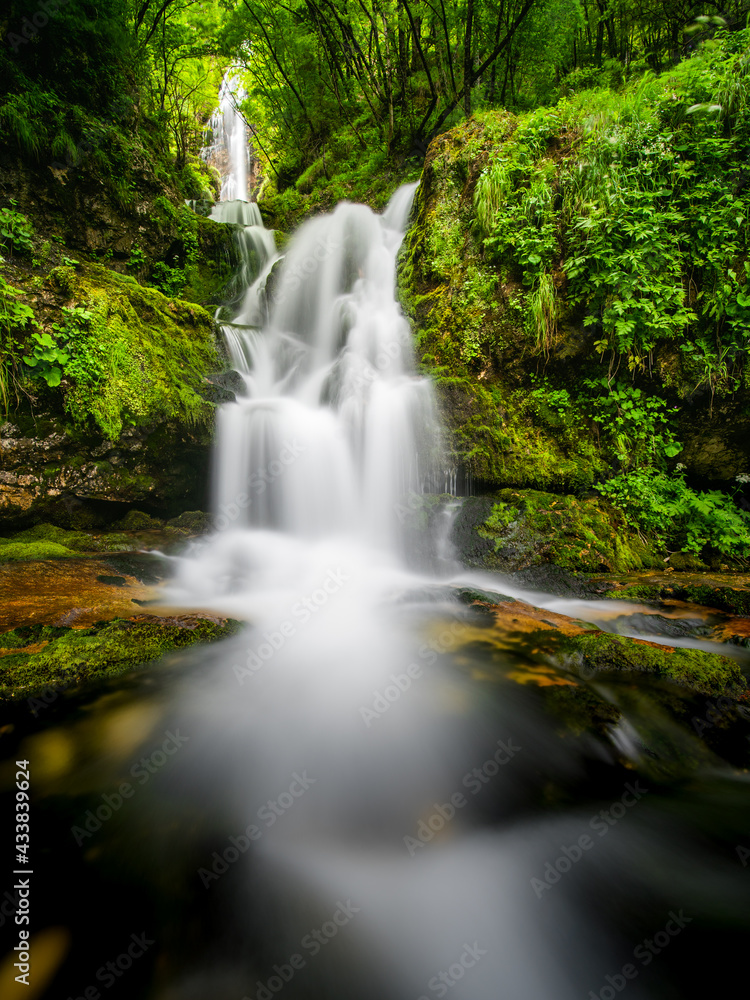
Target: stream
389	784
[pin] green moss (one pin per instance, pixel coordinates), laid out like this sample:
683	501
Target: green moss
136	520
701	672
78	655
722	598
47	541
15	551
76	540
142	359
581	535
503	437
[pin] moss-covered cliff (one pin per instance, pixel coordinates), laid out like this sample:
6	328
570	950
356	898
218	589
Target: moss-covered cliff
577	280
110	365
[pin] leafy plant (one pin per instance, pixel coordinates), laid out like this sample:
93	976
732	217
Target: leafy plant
667	509
15	229
137	259
47	357
170	280
14	315
635	424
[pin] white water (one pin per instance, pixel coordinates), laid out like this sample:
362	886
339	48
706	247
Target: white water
341	672
229	150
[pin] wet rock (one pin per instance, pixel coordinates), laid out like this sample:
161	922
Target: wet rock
145	568
561	582
673	628
223	387
192	522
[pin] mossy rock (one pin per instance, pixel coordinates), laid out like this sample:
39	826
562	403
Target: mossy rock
731	599
49	541
136	520
73	656
152	355
191	522
513	530
472	336
698	671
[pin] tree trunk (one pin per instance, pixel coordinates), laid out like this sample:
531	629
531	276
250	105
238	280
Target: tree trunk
468	62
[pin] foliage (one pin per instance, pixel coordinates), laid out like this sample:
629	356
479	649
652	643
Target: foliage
46	357
635	423
170	280
14	316
15	229
666	508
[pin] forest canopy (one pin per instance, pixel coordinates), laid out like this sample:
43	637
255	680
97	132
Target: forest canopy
327	82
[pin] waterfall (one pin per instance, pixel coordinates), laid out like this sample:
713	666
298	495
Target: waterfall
229	151
342	678
336	427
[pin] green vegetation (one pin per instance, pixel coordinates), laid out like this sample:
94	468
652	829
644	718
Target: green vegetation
665	509
706	673
47	541
577	278
73	656
529	527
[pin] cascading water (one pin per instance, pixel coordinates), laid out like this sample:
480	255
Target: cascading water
329	684
229	151
335	429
